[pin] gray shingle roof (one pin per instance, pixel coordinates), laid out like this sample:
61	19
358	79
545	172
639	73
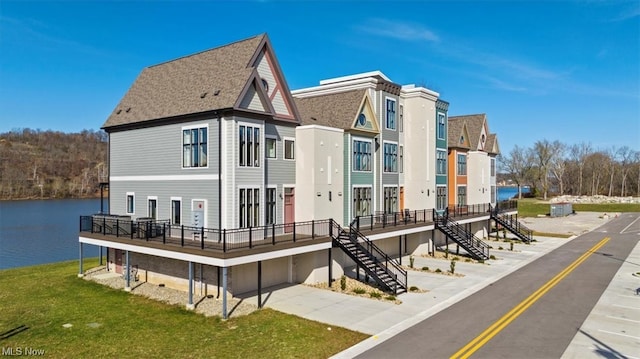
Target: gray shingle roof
474	126
338	110
454	131
206	81
492	144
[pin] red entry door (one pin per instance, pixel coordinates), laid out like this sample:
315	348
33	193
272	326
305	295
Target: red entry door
289	208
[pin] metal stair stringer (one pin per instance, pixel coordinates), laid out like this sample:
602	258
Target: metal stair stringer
476	248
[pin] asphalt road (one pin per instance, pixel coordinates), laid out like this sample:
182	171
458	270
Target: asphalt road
546	323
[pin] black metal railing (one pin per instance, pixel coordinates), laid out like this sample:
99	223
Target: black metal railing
458	210
224	240
460	235
392	267
506	206
384	219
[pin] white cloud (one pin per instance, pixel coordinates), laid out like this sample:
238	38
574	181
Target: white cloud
398	30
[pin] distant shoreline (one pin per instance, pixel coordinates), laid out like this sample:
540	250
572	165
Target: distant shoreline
50	198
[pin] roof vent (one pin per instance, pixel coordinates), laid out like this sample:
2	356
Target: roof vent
313	118
117	113
204	94
128	109
216	93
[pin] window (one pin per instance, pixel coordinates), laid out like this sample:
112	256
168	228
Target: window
462	195
401	119
249	146
249	209
390	157
390	199
270	150
176	216
153	208
361	201
361	155
441	197
441	162
289	148
441	126
131	203
391	114
401	163
271	206
194	147
462	164
493	167
493	194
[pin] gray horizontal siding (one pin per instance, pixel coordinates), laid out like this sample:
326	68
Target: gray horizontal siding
164	190
157	151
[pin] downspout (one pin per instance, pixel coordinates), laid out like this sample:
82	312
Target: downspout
219	174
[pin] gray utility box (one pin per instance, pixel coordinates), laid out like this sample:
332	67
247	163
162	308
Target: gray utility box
561	209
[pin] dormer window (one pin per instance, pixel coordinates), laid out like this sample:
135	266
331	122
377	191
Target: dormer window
265	85
461	139
483	138
362	119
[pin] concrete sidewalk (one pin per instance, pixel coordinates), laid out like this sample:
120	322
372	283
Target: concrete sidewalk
383	319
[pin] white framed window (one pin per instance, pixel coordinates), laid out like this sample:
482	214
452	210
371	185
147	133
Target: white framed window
462	164
462	195
401	161
289	148
441	131
493	167
195	146
249	139
362	154
390	122
390	156
249	209
441	197
131	203
441	162
390	199
361	201
152	207
270	215
176	210
270	147
401	119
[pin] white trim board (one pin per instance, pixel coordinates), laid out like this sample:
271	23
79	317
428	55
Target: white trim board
164	178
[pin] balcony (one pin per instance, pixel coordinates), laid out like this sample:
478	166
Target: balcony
225	243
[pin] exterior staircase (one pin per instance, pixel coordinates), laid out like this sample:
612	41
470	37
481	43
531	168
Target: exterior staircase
513	226
385	271
476	248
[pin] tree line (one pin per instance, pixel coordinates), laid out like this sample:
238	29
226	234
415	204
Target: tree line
552	167
52	164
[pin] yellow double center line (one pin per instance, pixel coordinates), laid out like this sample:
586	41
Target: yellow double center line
501	323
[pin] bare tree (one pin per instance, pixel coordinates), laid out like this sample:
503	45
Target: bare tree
517	166
544	152
558	164
579	154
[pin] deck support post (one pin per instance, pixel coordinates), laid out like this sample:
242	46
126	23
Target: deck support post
224	293
81	259
330	267
218	278
400	249
259	284
127	288
190	305
100	254
432	250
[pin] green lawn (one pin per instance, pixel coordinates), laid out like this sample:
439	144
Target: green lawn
531	207
113	323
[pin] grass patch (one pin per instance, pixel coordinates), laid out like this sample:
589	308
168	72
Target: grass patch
113	323
531	207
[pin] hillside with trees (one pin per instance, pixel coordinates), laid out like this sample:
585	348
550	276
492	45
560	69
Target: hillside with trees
561	169
51	164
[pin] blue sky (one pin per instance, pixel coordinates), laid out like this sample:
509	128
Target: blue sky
555	70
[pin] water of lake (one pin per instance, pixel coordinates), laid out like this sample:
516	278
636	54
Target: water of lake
37	232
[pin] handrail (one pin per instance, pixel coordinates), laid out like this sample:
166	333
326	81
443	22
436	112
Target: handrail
443	220
389	219
399	272
204	238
